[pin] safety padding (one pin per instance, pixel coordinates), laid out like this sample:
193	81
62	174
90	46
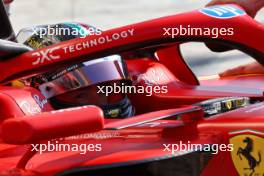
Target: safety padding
51	125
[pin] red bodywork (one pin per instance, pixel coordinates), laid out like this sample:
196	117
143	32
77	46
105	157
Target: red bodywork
161	118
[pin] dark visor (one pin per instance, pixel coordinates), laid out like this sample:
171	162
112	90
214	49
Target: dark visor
110	68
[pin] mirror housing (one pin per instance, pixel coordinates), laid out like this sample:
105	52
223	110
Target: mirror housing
51	125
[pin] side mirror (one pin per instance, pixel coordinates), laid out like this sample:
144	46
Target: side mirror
54	124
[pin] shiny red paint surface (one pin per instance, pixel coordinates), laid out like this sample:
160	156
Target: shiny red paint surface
141	138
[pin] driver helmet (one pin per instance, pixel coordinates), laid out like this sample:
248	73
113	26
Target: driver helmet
79	84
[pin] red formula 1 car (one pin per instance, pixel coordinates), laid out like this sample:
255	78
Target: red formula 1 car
203	127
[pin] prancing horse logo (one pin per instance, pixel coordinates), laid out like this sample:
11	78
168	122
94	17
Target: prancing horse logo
247	154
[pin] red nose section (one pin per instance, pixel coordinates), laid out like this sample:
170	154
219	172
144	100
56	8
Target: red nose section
55	124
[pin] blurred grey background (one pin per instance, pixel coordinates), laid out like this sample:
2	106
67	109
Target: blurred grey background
103	13
107	14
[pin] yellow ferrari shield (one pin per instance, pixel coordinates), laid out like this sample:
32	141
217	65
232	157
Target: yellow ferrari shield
248	154
228	105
